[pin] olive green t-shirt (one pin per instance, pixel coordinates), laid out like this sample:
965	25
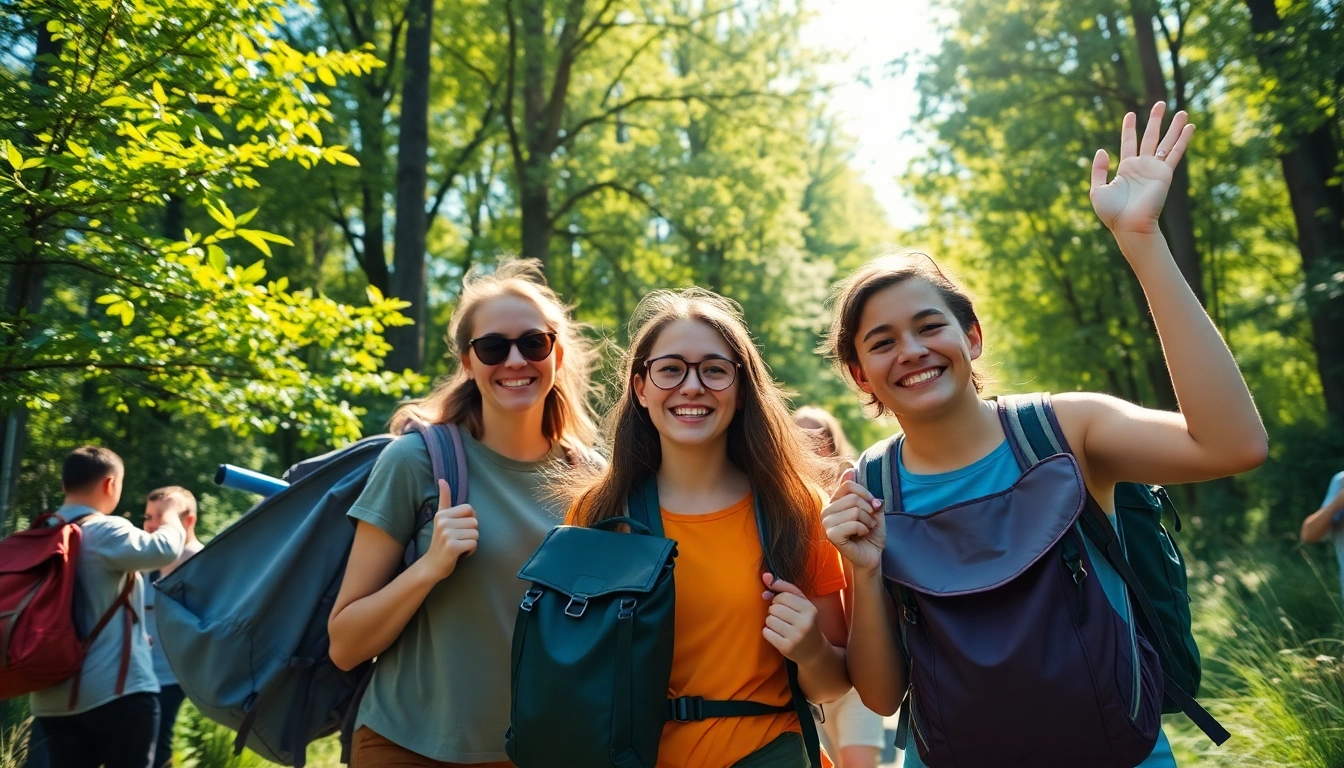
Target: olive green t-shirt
442	689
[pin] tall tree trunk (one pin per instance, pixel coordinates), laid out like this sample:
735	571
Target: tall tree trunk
534	182
408	255
1177	220
372	181
1310	159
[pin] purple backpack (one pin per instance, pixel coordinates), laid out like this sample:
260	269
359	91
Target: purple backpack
1016	656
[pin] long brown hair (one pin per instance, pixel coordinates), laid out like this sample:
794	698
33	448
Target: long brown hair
568	419
832	434
850	297
763	440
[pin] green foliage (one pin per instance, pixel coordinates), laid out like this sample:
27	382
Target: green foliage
122	121
1271	630
202	743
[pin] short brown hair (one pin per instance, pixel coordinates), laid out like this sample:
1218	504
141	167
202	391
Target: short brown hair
174	492
87	465
850	297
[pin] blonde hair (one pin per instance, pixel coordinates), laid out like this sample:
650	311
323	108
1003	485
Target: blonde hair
174	492
568	419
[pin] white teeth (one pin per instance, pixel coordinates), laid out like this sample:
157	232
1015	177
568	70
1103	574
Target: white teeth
920	378
516	383
691	411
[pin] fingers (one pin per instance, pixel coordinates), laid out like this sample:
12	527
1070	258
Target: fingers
1178	149
844	533
848	485
445	495
1101	165
1173	133
1153	130
1129	144
461	511
781	587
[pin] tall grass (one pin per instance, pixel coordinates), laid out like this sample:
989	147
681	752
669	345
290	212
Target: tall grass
1271	630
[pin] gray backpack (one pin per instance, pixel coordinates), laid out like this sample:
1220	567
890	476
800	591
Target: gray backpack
244	622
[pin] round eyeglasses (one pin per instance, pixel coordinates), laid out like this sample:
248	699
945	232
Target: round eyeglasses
494	348
669	371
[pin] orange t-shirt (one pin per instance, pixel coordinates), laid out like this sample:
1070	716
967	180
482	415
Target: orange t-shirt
719	651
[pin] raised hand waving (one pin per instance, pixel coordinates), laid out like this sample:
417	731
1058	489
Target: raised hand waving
1132	201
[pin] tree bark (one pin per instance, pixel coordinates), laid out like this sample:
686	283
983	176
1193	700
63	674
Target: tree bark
1309	159
534	187
1177	219
408	255
372	181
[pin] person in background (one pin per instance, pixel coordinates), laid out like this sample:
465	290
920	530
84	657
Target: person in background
160	503
853	733
1326	521
112	719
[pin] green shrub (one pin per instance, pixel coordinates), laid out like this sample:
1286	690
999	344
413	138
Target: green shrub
1271	630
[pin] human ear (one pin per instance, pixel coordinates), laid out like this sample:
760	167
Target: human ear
977	340
856	373
637	384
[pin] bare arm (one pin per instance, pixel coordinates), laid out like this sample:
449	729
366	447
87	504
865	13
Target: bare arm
1318	525
855	525
372	607
1217	431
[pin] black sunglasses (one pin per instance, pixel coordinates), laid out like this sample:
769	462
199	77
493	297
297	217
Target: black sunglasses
494	348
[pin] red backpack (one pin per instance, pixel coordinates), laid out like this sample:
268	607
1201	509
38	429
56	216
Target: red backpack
39	644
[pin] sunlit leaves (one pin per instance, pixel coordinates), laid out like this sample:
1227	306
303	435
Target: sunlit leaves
150	99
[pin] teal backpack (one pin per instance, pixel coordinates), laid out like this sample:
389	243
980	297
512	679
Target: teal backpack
592	648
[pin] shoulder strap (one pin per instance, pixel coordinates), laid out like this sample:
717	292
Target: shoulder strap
878	473
123	600
809	726
642	505
448	460
1029	423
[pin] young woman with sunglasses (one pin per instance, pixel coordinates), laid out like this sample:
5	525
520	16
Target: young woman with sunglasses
442	628
700	415
908	337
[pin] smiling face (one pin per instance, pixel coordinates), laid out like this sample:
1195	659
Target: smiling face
913	355
517	384
690	413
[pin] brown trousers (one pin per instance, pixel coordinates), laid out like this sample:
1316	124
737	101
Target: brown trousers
370	750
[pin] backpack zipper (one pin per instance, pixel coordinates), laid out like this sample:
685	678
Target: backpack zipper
914	723
1134	656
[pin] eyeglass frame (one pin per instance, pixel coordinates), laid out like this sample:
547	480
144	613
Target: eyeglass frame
689	365
513	344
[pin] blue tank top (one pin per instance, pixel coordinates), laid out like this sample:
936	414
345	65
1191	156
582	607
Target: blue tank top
926	494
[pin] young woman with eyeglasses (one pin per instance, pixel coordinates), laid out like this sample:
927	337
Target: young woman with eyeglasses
442	628
701	418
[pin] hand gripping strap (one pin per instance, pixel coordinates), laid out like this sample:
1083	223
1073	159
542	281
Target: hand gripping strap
449	462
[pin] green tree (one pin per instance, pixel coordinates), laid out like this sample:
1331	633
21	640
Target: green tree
116	118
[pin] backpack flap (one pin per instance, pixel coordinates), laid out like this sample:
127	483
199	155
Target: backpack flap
583	563
984	543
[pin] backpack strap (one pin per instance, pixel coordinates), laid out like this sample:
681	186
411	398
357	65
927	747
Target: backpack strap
1035	434
800	705
448	460
130	619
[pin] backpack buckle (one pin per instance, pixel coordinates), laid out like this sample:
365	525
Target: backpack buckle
530	599
577	605
627	608
687	708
